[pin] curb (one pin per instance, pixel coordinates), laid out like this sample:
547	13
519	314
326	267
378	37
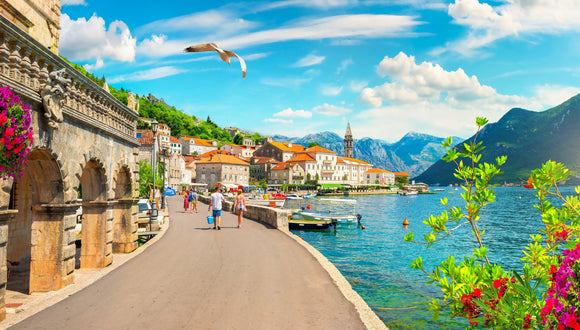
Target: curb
366	314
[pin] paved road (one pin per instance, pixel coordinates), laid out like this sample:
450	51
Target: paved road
198	278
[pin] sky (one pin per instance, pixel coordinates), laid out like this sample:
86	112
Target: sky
388	67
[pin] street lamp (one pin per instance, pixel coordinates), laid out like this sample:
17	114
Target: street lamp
153	216
163	152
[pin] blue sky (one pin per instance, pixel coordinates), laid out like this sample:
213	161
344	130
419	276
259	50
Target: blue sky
389	67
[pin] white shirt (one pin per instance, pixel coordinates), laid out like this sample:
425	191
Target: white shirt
216	200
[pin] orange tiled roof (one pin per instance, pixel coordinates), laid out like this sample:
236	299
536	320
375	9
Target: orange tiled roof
401	174
280	166
197	141
264	160
356	160
377	170
302	157
174	140
222	159
186	137
339	160
146	137
319	149
286	146
214	152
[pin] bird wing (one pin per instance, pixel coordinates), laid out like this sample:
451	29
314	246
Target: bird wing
225	55
242	62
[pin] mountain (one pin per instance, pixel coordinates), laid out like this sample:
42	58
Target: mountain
528	139
414	153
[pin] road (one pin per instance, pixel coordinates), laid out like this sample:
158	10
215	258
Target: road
195	277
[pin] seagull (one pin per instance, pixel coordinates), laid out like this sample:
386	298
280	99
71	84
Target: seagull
224	54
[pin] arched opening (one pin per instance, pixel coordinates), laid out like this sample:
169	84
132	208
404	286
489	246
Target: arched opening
96	250
36	250
124	227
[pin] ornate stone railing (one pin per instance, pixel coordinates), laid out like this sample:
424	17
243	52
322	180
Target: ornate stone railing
37	73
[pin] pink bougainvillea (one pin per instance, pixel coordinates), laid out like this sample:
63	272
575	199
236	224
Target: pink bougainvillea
15	134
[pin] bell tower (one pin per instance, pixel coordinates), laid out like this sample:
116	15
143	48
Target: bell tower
348	147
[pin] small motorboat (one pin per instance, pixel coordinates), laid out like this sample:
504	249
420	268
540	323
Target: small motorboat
303	224
309	196
409	193
439	189
279	203
293	196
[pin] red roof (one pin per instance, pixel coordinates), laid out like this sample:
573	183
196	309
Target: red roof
222	159
146	137
174	140
280	166
401	174
319	149
301	158
377	170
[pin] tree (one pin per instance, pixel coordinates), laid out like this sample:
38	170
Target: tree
345	177
263	183
377	182
146	177
313	144
238	139
402	180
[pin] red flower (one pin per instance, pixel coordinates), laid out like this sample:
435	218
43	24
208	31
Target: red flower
476	293
529	185
499	295
553	269
497	283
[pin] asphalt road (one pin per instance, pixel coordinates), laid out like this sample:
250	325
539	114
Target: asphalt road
199	278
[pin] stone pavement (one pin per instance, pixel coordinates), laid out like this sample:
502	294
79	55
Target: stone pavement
255	277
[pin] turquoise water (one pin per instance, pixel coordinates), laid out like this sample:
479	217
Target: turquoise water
376	260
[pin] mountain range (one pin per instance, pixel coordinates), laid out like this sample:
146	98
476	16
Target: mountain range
413	154
528	139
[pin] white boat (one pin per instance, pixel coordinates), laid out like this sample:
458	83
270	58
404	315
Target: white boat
409	193
293	196
333	214
309	196
267	202
439	189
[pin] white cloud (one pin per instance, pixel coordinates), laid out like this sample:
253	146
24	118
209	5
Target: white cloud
151	74
344	65
330	110
84	40
357	86
288	113
278	120
218	23
286	81
514	18
321	4
309	60
73	2
552	95
255	56
331	90
332	27
92	67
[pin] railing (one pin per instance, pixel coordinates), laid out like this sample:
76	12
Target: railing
28	67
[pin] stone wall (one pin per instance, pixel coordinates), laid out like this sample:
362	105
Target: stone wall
277	218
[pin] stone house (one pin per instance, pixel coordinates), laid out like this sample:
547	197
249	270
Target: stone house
260	167
193	146
190	174
286	173
176	172
174	146
281	152
223	169
145	139
239	150
379	176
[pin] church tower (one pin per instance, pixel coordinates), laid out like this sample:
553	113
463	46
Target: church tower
348	148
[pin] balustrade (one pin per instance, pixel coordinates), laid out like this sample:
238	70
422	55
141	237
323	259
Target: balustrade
27	65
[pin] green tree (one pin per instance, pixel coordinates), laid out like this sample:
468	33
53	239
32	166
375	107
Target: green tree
402	180
238	139
146	177
345	177
313	144
263	183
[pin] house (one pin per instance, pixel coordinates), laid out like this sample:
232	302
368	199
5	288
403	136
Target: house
194	146
260	167
189	174
355	170
222	169
286	173
279	151
379	176
145	138
175	171
239	150
174	146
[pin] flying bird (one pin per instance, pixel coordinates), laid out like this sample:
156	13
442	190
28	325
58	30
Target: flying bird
224	54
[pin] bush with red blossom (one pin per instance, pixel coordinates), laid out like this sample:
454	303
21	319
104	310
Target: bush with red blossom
15	134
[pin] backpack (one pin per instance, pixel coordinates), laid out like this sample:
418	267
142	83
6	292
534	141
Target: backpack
190	198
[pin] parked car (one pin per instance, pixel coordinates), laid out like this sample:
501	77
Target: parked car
144	209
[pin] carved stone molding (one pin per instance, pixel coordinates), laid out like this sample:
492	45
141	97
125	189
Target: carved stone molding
53	96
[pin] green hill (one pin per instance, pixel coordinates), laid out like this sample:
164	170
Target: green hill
528	139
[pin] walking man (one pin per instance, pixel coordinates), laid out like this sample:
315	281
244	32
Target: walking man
193	203
217	200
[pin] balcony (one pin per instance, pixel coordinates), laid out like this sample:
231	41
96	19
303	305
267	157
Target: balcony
297	177
327	172
327	162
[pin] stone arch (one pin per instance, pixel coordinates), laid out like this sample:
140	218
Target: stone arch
124	220
96	234
38	251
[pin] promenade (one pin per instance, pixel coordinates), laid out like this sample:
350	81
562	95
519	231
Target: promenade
195	277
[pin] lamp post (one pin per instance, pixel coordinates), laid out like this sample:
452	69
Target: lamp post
153	215
163	152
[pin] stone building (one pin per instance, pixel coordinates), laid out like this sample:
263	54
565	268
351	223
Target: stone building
348	143
85	148
193	146
260	167
279	151
176	172
223	169
379	176
286	173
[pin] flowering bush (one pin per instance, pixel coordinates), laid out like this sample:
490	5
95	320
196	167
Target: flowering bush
15	134
546	294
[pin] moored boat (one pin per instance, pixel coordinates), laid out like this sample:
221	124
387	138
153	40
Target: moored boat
267	202
311	224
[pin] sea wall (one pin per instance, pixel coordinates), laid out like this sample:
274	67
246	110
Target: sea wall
274	217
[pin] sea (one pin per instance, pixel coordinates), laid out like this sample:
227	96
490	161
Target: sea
376	260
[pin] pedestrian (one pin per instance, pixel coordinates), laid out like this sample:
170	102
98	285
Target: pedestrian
216	202
185	200
240	207
193	202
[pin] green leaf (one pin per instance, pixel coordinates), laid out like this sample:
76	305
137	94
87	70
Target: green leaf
481	121
409	237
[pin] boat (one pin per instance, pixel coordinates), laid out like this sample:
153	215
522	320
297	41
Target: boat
409	193
309	196
267	202
439	189
332	215
293	196
303	224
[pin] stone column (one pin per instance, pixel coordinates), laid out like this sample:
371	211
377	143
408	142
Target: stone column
97	235
52	247
124	226
5	217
